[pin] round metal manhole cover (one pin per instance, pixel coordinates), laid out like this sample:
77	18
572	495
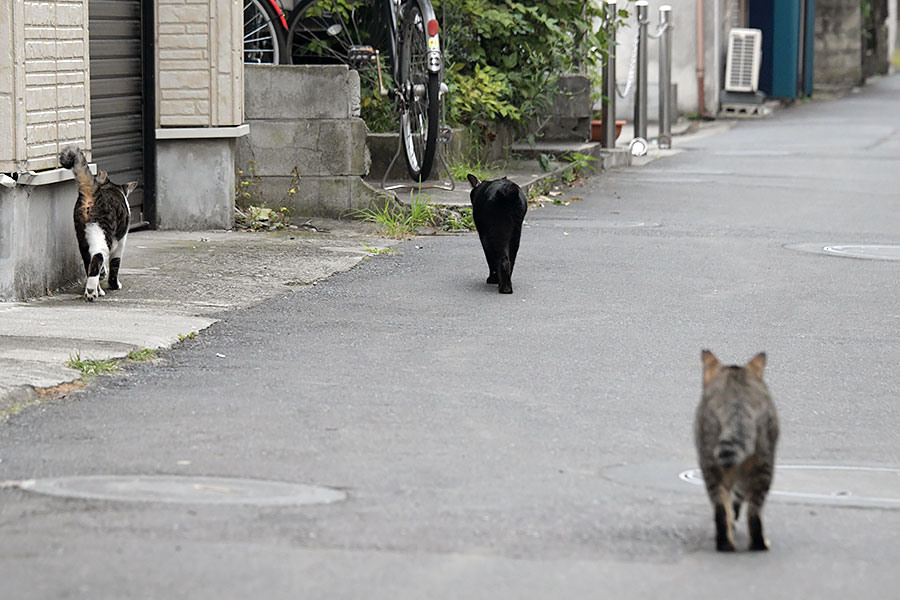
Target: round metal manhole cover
175	489
580	224
864	251
861	487
839	485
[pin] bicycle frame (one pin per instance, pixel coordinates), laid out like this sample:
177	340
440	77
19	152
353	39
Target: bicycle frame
282	18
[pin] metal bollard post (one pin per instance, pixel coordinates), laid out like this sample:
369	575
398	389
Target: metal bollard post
608	110
665	77
639	143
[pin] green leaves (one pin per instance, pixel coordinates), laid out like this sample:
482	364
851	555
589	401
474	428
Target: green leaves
504	56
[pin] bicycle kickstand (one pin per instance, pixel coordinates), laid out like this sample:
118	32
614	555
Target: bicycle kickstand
444	139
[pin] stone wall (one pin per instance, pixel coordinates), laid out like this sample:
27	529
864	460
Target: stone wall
200	59
44	87
838	44
305	136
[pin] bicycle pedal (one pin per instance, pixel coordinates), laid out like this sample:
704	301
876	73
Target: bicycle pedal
361	54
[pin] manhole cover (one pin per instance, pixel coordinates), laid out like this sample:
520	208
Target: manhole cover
865	251
850	486
807	484
184	490
587	224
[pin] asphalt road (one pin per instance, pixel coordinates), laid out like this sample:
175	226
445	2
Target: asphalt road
519	446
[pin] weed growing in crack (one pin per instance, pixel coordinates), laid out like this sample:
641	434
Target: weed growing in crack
91	367
142	355
399	220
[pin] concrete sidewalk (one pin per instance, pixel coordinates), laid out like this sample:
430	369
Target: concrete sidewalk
175	283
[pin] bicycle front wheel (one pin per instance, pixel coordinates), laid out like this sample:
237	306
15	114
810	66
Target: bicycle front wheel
420	89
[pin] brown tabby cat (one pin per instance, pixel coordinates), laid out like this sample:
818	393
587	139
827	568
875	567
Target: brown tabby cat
736	430
101	222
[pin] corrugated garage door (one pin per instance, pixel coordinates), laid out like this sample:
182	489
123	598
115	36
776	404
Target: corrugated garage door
116	95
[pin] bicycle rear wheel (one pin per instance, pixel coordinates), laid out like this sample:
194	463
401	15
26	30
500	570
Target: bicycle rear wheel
348	32
263	33
420	92
334	31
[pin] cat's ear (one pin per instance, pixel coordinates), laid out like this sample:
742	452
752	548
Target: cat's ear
102	177
473	180
130	187
757	364
711	365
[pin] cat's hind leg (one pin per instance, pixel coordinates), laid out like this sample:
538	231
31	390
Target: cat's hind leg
99	252
92	289
762	480
115	260
724	522
505	274
488	248
721	500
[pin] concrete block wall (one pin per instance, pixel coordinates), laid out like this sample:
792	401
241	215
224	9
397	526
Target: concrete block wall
44	84
838	44
305	118
570	115
200	57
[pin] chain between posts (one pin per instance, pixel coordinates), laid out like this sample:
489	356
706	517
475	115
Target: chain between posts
632	68
629	83
660	29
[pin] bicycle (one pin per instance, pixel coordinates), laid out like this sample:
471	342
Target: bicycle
265	28
372	36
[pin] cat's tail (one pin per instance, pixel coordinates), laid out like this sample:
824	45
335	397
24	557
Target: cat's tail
731	451
73	158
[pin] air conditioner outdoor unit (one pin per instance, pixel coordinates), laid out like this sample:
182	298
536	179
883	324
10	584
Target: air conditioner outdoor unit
744	55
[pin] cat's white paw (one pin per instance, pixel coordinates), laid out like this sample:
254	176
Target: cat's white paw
100	290
91	294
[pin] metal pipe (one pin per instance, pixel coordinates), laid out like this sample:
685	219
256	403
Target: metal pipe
608	109
148	112
640	91
664	140
701	99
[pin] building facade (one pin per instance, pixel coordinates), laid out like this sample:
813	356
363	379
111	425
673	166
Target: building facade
151	90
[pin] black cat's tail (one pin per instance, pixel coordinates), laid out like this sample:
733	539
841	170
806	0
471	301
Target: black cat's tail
73	158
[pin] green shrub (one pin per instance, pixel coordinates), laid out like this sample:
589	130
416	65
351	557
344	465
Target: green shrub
504	57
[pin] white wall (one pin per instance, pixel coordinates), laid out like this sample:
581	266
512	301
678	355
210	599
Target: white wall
44	84
718	17
200	59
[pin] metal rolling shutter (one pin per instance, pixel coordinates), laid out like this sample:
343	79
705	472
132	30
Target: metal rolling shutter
117	142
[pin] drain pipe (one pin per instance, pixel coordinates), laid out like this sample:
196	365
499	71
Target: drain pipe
701	100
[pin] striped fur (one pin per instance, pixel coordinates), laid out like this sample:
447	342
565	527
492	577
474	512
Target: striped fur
73	158
736	431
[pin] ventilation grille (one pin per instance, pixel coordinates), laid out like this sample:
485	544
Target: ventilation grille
744	53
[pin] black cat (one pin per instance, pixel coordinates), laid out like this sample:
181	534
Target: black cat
498	209
101	222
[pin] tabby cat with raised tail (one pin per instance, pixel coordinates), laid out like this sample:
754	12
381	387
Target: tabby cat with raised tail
101	222
736	431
